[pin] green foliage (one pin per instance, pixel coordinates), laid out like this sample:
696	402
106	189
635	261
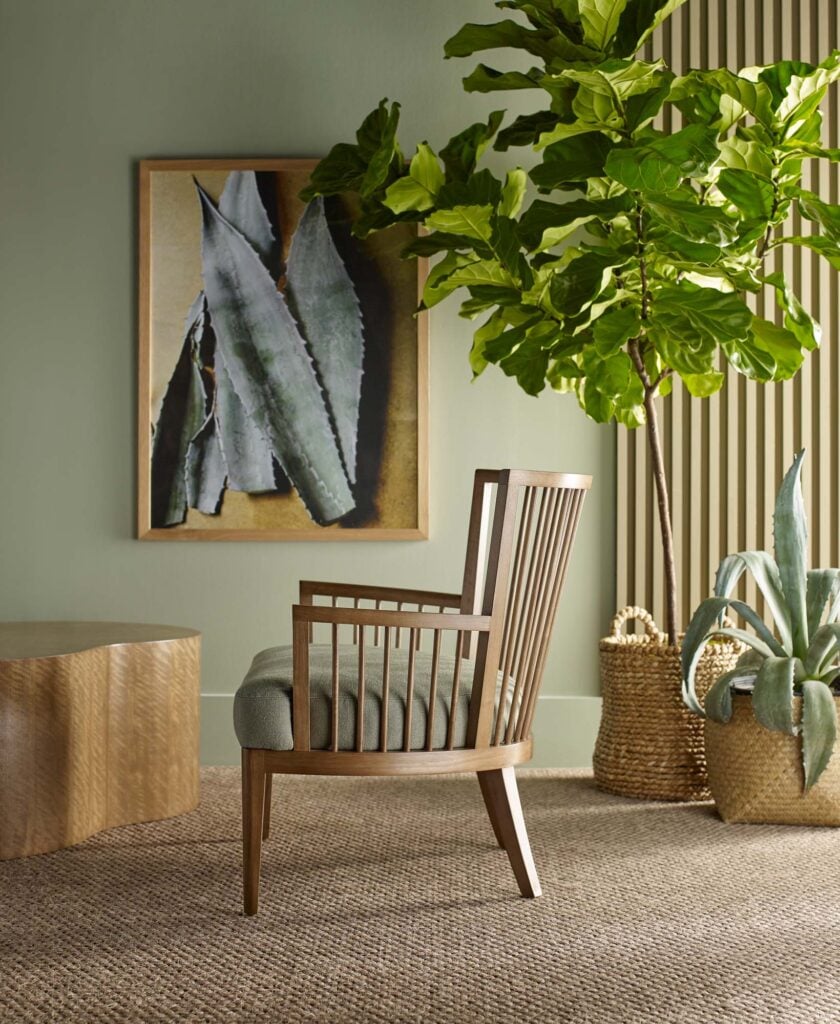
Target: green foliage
657	235
800	659
671	228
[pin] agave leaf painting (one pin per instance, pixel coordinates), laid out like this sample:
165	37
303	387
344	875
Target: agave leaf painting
283	363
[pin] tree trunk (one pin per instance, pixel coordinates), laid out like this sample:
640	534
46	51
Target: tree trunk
665	528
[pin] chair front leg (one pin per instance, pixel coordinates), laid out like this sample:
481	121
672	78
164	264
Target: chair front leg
502	798
253	808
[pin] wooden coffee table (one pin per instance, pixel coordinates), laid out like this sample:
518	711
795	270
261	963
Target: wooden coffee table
98	727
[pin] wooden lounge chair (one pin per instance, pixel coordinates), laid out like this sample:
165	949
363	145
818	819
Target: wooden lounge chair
396	691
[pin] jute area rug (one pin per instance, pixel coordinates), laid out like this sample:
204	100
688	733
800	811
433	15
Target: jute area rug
388	901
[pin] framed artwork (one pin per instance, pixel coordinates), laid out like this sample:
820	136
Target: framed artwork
283	366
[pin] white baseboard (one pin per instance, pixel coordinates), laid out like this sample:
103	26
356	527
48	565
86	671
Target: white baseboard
564	731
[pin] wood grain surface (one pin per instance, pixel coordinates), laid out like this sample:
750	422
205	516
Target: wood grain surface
99	726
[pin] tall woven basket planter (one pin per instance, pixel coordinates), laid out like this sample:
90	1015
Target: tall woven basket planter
755	775
649	745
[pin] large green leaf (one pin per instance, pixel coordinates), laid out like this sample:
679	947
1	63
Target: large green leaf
599	20
326	306
481	272
781	344
526	129
377	139
819	729
270	367
791	540
364	167
417	190
479	189
572	160
702	385
638	20
660	164
486	79
754	196
437	285
463	150
751	360
772	698
692	220
798	88
513	192
471	221
688	322
472	38
827	215
341	170
796	318
582	281
611	375
542	216
528	363
680	252
827	248
617	80
613	329
641	109
746	155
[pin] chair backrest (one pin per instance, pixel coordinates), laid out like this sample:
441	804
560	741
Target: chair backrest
522	526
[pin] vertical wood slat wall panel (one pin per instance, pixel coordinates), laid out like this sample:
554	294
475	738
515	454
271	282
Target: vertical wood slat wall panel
725	456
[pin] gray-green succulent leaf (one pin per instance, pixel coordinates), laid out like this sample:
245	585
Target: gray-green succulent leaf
324	301
182	413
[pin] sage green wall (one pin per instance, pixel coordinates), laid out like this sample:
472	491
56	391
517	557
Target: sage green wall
87	88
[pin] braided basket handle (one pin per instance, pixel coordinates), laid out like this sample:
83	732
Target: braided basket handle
640	615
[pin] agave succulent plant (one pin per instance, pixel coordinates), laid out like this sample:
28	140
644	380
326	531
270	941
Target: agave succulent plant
799	658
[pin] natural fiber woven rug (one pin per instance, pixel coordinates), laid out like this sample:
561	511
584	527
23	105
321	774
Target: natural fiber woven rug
387	901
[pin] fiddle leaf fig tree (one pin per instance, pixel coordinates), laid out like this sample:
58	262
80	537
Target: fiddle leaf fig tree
621	259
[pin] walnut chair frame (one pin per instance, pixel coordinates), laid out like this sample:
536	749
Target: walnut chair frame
522	527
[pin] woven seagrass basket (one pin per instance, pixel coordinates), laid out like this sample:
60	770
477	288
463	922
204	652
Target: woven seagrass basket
649	745
755	775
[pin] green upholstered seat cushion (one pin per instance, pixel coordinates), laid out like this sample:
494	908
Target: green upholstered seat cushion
262	709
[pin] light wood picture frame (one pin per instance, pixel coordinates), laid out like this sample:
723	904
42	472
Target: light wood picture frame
283	367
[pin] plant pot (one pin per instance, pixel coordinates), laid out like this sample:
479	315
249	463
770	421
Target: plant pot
755	775
649	745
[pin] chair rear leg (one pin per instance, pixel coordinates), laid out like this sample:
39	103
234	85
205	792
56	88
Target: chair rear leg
486	792
253	805
502	798
267	805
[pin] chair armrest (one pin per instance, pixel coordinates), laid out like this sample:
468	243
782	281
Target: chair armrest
306	613
369	592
